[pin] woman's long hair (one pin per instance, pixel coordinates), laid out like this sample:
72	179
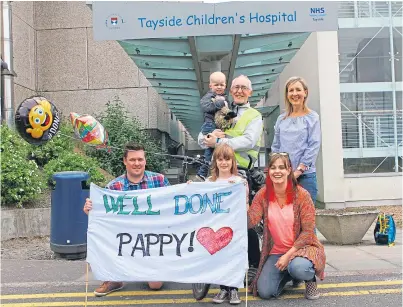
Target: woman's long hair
288	105
292	183
222	151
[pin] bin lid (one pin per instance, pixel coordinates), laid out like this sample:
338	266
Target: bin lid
71	175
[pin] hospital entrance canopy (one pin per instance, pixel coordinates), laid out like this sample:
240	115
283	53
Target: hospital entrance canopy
178	44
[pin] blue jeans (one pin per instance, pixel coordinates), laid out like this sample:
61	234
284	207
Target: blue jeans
272	281
203	169
308	182
206	128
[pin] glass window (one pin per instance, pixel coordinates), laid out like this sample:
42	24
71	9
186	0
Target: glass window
368	9
364	55
368	132
370	165
397	44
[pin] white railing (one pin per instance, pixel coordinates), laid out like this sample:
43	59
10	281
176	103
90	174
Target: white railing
368	9
370	129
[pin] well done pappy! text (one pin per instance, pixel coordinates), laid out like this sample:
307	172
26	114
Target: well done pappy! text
153	244
185	225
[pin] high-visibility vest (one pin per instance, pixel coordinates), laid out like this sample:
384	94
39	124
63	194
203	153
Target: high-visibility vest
238	130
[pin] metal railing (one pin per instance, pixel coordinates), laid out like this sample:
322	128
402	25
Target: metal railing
370	129
368	9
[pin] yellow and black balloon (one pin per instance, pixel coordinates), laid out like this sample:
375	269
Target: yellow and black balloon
37	120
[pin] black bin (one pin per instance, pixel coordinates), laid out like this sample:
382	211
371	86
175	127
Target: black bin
68	225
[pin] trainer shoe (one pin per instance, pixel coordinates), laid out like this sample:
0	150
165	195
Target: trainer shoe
311	290
220	296
234	298
108	287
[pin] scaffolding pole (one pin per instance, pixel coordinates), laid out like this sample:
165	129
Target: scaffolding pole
392	65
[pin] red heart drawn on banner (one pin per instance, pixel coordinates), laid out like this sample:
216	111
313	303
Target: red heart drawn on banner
214	241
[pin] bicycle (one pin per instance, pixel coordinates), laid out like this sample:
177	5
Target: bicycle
200	290
186	161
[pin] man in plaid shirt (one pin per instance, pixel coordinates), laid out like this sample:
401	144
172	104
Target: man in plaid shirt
135	178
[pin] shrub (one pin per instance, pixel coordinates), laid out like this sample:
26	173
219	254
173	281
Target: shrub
21	180
58	145
70	161
123	128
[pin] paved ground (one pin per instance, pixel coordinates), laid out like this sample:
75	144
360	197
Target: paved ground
366	256
363	275
354	290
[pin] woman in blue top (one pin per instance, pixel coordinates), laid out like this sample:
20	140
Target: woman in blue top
297	132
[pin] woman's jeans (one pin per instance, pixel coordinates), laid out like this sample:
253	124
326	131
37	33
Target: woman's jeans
308	182
272	281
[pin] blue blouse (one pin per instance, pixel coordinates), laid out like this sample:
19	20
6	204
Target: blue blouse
300	137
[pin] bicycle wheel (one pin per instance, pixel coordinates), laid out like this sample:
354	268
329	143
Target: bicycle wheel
200	291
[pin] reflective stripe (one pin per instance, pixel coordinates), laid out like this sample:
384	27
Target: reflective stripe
242	157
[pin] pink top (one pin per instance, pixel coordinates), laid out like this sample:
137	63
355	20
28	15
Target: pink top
281	227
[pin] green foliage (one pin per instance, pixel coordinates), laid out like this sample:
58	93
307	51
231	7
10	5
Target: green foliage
58	145
70	161
122	129
21	180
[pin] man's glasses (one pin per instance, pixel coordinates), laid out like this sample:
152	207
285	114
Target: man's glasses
238	87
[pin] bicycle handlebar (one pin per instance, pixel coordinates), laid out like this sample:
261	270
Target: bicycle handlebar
196	160
188	158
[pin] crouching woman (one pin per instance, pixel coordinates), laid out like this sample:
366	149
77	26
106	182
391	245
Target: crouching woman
291	250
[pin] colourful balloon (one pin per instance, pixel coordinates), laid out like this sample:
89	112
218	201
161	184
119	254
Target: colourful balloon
37	120
89	130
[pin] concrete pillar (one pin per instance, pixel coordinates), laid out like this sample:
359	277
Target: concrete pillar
330	161
214	66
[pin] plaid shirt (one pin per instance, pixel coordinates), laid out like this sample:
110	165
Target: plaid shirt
150	180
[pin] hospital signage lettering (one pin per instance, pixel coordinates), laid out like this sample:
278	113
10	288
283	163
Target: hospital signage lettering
151	19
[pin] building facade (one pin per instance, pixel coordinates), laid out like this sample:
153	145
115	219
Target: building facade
355	83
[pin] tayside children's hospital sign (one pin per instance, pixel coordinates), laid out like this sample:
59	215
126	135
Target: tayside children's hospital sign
188	233
135	19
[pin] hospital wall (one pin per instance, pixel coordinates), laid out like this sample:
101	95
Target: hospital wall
56	56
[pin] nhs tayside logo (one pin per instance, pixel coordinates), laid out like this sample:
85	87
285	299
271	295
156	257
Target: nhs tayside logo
317	13
114	21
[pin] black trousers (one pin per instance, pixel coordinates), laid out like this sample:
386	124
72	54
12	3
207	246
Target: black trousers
253	249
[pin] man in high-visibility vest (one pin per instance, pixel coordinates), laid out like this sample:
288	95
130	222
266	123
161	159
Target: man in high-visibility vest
244	137
245	134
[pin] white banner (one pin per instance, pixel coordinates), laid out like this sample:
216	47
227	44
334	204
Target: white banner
119	20
187	233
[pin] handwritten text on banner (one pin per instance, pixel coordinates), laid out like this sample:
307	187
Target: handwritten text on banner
188	233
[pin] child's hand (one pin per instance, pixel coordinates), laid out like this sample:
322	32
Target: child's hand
189	181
